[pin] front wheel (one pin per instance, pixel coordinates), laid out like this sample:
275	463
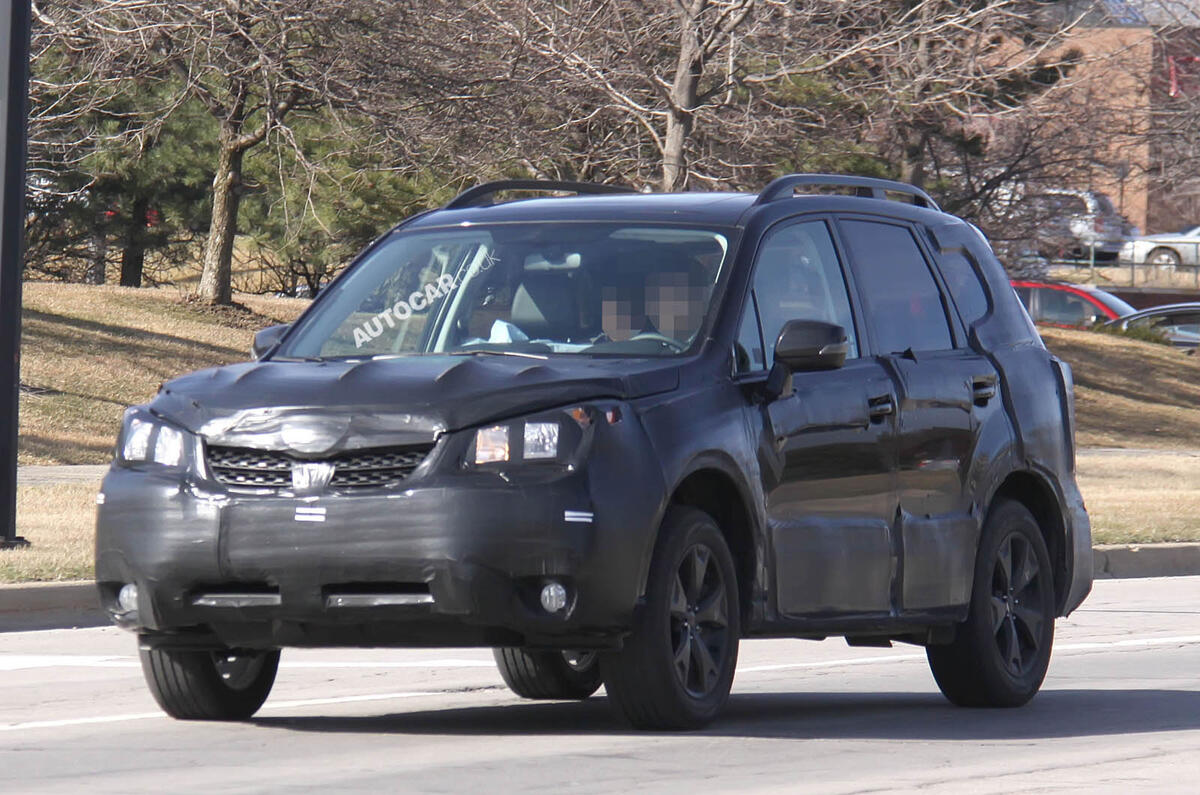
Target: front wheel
1000	654
549	674
677	666
1164	257
209	685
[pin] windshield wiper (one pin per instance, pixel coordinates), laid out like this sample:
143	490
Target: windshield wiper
498	353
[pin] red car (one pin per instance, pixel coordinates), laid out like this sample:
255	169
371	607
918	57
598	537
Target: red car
1069	305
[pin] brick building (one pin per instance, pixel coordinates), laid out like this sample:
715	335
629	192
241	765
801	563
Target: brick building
1140	80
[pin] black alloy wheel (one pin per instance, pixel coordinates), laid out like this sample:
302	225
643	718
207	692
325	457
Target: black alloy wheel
1000	654
677	665
1016	602
699	622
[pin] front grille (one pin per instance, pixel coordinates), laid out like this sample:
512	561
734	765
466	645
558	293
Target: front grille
243	467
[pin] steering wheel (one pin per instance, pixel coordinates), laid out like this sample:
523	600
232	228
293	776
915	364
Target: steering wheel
669	342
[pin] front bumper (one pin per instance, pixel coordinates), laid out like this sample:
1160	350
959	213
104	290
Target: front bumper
455	559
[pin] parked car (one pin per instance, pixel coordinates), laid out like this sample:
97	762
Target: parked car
1178	323
1072	222
610	436
1170	250
1069	305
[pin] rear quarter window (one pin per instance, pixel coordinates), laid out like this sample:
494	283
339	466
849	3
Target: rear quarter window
963	281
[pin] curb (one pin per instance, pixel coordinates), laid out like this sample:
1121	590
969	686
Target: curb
66	605
50	605
1120	561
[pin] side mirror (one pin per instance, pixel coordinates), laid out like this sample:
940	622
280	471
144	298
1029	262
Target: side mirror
807	345
267	339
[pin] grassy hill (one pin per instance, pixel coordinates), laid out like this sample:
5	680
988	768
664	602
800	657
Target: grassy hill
88	352
1130	393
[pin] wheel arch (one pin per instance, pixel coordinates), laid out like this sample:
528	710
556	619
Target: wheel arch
1164	247
1035	493
709	486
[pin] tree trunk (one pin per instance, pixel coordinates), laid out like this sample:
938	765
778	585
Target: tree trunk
912	167
215	281
675	165
133	252
95	274
684	96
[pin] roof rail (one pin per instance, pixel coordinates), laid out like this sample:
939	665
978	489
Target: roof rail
473	197
869	187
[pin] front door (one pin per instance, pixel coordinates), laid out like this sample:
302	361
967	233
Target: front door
828	449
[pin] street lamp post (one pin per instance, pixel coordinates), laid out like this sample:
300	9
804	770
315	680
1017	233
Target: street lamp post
14	86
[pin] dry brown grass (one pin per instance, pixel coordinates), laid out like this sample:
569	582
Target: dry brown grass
1141	498
97	350
1130	393
59	521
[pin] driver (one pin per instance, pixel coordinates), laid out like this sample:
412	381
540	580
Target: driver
667	305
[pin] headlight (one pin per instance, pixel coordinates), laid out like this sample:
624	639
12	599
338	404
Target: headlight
491	445
541	440
550	438
147	439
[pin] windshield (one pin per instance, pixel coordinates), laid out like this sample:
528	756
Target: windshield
528	288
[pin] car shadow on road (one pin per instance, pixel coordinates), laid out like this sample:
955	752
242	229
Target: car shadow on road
921	716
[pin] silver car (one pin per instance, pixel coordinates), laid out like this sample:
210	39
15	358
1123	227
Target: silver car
1169	249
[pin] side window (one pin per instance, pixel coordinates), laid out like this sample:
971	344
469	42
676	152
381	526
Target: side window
798	277
962	279
748	350
1068	309
901	298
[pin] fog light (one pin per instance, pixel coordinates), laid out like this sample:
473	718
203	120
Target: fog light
127	598
554	597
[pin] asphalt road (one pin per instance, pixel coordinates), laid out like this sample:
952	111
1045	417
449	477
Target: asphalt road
1120	711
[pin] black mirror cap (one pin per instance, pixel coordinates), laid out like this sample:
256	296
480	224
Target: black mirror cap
807	345
267	339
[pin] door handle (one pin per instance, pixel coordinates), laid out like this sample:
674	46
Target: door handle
983	389
881	406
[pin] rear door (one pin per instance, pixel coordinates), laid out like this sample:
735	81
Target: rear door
944	390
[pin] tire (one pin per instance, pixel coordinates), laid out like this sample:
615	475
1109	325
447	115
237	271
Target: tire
549	674
1001	652
1163	257
209	685
677	666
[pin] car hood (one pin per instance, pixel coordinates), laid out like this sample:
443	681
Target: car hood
322	407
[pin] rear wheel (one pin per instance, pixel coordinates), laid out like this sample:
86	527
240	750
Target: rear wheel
677	667
209	685
1000	654
1165	257
549	674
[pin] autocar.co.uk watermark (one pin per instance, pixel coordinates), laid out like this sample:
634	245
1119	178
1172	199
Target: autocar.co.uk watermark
418	301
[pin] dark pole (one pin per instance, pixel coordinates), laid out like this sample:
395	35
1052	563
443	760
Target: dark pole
14	85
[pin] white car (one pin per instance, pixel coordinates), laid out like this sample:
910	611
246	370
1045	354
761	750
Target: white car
1170	249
